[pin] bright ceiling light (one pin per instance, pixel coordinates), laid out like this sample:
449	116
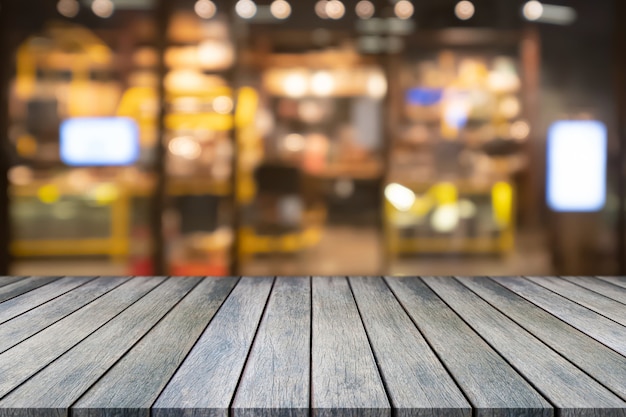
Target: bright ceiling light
295	85
335	9
280	9
365	9
464	10
68	8
532	10
404	9
401	197
320	9
103	8
322	83
246	9
206	9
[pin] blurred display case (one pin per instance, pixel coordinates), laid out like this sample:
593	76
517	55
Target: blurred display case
457	149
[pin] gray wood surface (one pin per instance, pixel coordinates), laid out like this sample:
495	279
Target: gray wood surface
619	281
9	280
566	386
23	286
417	383
205	383
612	309
489	382
345	379
62	382
33	354
19	328
605	365
595	325
131	386
22	303
605	288
276	379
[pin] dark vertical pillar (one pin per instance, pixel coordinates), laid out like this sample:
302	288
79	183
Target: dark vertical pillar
159	261
5	68
620	85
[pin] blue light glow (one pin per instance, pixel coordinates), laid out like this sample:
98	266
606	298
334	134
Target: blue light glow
424	96
577	153
106	141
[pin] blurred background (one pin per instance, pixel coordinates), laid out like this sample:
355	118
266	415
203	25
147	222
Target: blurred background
352	137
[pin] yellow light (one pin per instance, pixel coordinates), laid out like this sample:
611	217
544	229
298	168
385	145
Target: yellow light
322	83
520	130
510	107
320	9
335	9
103	8
48	194
365	9
502	203
404	9
185	147
205	9
294	142
401	197
105	194
464	10
445	218
246	9
295	85
68	8
445	193
280	9
223	105
213	54
26	146
532	10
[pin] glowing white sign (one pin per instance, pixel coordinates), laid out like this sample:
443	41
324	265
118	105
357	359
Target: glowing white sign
99	141
577	153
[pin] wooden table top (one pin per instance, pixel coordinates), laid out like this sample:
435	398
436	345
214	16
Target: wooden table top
294	347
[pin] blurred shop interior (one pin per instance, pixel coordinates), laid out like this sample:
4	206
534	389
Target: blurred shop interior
312	137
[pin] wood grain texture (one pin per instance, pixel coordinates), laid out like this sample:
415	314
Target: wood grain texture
417	383
605	288
205	383
619	281
276	379
595	325
33	354
9	280
566	386
23	286
489	382
19	328
605	365
62	382
22	303
130	387
612	309
345	379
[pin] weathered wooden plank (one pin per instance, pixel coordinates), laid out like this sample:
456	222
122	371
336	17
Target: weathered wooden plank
619	281
416	382
595	325
20	328
605	365
9	280
276	378
61	383
33	354
612	309
566	386
607	289
22	303
134	383
488	381
23	286
205	383
344	376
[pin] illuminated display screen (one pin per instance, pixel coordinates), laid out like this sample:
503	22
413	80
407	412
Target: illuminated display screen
577	153
112	141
